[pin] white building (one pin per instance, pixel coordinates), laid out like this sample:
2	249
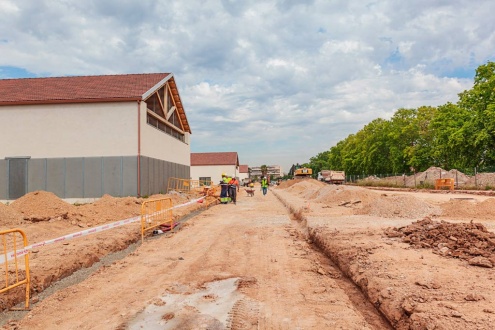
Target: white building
243	172
272	170
209	166
92	135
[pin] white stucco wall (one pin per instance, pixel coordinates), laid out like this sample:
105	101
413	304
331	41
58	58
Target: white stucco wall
243	176
159	145
69	130
215	172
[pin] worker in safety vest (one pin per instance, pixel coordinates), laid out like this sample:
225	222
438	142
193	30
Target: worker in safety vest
224	192
233	188
264	185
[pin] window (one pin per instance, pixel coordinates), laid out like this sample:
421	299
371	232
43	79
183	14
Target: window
204	180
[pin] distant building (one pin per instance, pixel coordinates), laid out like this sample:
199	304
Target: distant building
275	170
243	172
83	137
209	166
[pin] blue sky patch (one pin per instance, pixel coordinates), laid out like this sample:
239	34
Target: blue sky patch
15	72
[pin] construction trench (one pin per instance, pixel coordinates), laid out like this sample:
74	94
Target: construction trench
306	256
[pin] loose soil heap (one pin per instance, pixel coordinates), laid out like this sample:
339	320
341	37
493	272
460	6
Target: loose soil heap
44	216
468	241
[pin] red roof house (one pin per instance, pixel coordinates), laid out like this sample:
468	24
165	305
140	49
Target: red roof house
209	166
85	136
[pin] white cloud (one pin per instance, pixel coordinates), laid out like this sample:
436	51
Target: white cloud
288	78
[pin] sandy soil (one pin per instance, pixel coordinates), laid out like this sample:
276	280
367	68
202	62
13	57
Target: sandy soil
305	256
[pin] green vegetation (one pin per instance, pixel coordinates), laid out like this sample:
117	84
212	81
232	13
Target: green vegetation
460	136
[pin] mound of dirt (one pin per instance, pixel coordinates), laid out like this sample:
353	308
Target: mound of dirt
398	206
345	194
305	188
467	209
482	180
107	209
468	241
287	184
9	216
42	206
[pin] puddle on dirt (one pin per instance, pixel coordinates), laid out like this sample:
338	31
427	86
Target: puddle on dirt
206	309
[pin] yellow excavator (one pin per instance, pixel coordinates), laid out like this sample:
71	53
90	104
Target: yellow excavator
303	173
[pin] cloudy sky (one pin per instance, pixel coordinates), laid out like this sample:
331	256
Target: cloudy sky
277	81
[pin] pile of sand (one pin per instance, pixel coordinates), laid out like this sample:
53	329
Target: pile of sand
433	173
305	188
467	209
400	206
9	217
107	209
42	206
332	194
287	184
469	241
482	180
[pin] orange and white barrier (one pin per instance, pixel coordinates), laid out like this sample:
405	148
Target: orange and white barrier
14	254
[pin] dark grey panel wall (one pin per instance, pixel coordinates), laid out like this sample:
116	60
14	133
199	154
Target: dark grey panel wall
4	180
144	176
129	176
55	176
112	176
37	174
88	177
17	172
74	178
155	174
92	175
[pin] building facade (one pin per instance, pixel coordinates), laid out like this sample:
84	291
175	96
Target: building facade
209	166
83	137
272	170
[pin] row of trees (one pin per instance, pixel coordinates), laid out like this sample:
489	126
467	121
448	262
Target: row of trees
460	136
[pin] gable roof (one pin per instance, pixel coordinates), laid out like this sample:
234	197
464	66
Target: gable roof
243	169
214	158
88	89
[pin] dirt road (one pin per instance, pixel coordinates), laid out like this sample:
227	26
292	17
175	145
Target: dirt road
305	256
244	266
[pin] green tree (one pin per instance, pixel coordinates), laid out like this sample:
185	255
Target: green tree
264	170
480	101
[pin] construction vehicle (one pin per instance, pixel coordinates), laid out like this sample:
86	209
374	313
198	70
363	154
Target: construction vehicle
324	175
332	177
303	173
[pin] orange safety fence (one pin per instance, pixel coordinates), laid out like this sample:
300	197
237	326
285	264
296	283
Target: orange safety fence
187	185
14	273
156	214
449	182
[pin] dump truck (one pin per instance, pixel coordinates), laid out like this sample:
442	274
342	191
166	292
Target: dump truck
324	175
332	177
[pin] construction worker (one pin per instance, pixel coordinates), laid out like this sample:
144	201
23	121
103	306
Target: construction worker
264	185
233	188
224	192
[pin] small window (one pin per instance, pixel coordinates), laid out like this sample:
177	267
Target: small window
204	180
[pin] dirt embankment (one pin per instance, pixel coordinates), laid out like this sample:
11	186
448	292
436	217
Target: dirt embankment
44	216
480	180
435	273
424	274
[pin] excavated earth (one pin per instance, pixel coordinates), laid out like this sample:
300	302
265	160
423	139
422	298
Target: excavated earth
305	256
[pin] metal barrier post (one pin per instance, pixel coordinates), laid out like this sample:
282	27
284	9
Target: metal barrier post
156	213
14	255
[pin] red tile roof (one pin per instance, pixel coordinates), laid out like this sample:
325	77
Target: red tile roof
109	88
243	169
77	89
214	158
